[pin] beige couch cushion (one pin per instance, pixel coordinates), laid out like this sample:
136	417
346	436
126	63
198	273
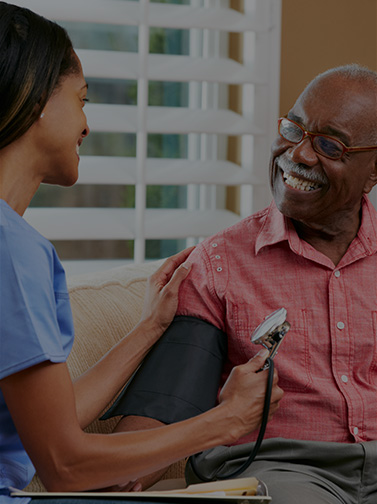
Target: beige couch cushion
105	306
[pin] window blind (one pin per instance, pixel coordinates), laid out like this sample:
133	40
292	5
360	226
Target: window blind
202	120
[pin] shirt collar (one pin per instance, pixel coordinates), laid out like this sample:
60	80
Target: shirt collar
273	230
366	237
278	228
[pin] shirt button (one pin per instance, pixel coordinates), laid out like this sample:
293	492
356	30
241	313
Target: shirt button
217	257
340	325
337	273
214	245
219	268
355	431
344	378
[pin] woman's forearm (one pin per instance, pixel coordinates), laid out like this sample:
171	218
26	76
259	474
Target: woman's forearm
97	460
42	404
98	385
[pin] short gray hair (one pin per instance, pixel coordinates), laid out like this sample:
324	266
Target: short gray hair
353	71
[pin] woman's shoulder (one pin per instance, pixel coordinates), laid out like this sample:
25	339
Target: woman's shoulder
20	239
27	256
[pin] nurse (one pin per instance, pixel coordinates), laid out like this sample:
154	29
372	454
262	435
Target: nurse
42	413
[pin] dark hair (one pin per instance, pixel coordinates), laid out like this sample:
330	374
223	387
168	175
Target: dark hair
35	54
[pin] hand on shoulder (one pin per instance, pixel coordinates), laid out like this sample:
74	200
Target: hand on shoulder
161	296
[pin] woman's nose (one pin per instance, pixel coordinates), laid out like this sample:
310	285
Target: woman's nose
85	132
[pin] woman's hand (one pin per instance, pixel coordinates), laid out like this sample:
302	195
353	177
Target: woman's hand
161	296
244	393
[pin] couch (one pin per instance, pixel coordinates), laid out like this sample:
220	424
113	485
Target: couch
106	305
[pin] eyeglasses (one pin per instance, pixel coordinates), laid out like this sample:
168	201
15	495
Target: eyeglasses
327	146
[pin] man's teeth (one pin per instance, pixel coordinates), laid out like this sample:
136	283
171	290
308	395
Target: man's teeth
302	185
77	149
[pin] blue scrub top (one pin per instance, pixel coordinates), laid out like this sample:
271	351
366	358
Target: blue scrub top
35	326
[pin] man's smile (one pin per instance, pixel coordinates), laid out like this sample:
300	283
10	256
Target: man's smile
299	183
298	176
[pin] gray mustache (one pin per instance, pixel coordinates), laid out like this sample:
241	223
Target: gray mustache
300	170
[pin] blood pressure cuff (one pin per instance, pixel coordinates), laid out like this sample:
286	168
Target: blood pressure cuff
180	376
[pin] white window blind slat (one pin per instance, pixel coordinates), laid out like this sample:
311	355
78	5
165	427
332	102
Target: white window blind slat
117	223
160	171
121	65
177	16
173	120
93	11
83	223
161	15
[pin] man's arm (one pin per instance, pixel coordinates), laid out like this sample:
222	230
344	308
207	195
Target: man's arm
178	370
137	423
179	379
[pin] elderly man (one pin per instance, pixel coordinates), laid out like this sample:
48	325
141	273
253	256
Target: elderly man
314	252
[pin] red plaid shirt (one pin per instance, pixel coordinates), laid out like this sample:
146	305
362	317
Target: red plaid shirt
328	361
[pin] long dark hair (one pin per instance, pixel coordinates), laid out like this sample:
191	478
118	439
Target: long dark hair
35	54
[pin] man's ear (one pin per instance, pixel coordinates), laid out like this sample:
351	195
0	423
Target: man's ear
372	180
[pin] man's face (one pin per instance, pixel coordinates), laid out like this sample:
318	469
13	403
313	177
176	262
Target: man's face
319	192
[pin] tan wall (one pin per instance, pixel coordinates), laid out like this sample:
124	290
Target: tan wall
320	34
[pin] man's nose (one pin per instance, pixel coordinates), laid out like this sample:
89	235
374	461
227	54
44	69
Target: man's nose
303	152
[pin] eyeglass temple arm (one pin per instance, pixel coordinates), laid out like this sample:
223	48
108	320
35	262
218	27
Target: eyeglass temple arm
366	148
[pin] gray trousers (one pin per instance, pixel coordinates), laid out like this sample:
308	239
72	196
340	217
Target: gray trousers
301	472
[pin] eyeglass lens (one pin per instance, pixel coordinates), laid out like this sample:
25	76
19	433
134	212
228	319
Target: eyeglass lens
323	145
